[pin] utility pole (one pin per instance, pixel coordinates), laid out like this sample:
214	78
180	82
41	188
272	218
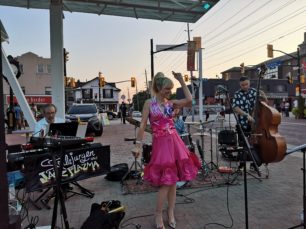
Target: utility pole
192	86
146	81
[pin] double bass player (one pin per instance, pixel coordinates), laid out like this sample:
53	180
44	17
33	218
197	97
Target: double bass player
243	104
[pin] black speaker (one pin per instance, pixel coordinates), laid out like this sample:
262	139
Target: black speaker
117	172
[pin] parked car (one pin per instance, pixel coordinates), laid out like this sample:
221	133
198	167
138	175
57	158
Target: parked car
136	114
111	115
86	113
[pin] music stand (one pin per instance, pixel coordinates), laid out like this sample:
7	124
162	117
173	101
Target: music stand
303	149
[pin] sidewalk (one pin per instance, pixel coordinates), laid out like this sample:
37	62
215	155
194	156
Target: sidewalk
273	203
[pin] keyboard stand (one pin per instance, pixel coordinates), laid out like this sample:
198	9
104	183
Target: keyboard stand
58	189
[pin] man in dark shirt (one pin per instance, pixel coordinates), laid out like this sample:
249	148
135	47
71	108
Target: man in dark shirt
243	105
123	110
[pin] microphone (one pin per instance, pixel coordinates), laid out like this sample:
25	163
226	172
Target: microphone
221	89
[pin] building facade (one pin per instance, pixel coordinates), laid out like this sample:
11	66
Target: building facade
36	83
106	98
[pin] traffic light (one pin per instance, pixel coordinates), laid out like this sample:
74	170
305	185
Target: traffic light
101	81
302	79
72	83
66	57
133	81
242	69
290	79
186	78
66	81
270	50
297	90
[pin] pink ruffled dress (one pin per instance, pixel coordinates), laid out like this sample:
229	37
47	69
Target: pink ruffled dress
170	159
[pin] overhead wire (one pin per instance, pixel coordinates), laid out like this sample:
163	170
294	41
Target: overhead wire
249	26
231	26
206	18
226	21
180	59
250	36
254	48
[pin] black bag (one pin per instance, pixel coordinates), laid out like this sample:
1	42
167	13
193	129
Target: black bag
99	217
227	137
117	172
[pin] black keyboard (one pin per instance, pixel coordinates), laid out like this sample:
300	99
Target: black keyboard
65	141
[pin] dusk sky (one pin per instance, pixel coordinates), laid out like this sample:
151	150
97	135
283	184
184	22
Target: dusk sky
234	31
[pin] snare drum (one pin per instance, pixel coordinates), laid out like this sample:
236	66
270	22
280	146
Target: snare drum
146	153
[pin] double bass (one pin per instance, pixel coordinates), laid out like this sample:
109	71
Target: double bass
268	143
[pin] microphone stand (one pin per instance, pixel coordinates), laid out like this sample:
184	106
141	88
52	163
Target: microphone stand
246	149
303	149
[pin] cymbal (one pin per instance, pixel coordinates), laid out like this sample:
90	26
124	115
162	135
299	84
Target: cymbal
199	123
192	123
137	124
200	134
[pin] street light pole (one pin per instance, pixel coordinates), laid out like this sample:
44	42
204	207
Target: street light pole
137	96
300	98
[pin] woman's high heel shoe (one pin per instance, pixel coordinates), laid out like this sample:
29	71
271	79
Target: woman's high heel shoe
159	226
171	224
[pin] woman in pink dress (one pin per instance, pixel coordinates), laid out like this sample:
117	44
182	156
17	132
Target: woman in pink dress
170	159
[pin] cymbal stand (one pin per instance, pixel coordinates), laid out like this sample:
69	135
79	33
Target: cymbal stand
204	168
137	166
212	164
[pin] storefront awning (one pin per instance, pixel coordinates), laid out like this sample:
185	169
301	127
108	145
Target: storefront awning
166	10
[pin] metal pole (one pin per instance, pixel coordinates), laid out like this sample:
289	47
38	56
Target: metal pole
299	71
99	97
152	61
137	97
146	81
4	221
192	86
300	98
201	86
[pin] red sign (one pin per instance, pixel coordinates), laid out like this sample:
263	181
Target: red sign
191	55
33	99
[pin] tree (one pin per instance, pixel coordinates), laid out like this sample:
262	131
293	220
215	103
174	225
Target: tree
142	97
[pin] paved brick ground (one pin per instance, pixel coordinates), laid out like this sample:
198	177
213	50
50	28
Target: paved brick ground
273	203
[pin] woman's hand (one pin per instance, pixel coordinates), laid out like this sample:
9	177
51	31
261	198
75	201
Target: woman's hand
178	76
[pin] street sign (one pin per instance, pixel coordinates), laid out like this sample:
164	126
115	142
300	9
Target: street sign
162	47
274	64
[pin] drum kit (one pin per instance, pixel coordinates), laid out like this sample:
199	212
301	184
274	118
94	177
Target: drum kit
225	138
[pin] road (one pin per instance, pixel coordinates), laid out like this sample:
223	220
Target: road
293	130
